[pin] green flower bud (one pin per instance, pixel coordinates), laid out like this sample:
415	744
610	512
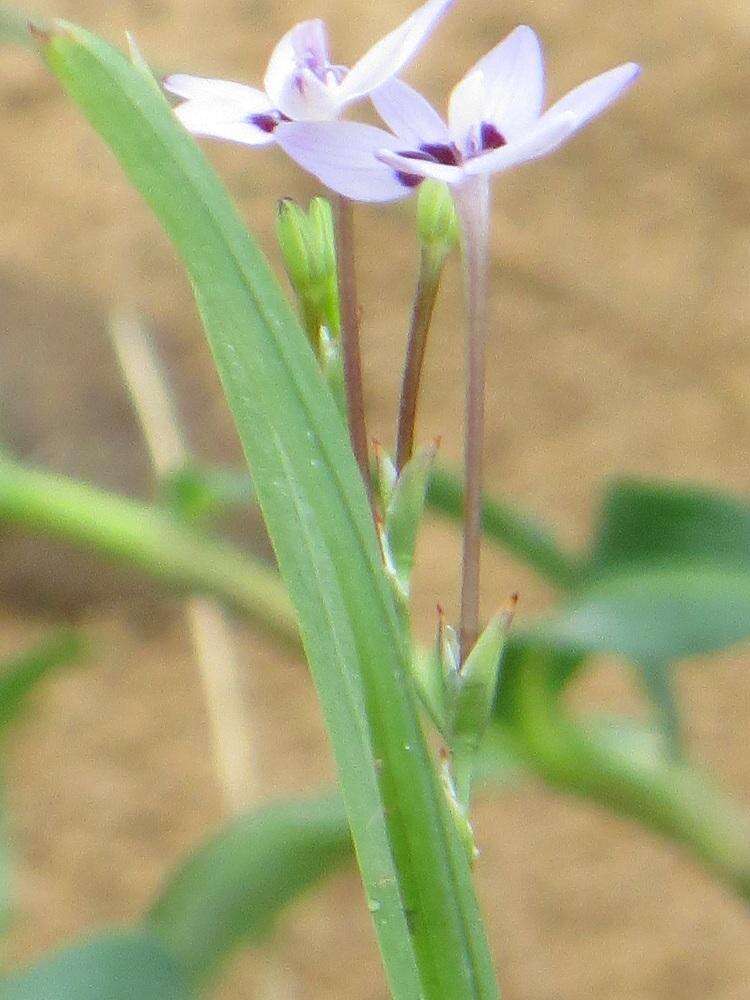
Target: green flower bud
437	222
323	261
292	231
474	698
309	253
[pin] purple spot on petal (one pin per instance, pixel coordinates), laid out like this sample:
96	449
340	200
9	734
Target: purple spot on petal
417	154
441	152
267	121
491	138
409	180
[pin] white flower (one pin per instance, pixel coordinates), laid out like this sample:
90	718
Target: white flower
301	84
495	122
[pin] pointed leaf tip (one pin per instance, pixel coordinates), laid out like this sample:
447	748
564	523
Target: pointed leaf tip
42	36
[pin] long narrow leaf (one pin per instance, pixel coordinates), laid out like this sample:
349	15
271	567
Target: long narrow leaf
233	887
316	511
121	965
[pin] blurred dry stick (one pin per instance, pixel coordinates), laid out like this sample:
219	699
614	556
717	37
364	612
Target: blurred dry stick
213	639
213	642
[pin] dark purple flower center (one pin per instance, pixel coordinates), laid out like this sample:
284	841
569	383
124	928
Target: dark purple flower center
448	154
432	152
490	137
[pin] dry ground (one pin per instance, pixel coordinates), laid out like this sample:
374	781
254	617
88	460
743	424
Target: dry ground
620	344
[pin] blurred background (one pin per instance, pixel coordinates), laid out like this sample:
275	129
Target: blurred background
619	345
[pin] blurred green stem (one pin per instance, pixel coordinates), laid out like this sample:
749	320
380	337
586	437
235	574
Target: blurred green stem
141	535
665	795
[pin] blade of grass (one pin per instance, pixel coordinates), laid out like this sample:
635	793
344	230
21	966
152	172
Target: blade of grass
413	864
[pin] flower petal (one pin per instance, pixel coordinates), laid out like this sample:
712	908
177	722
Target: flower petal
306	98
222	120
202	89
342	156
409	115
546	136
306	44
421	168
514	74
465	111
591	98
389	56
505	88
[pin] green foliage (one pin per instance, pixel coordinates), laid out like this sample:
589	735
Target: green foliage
403	517
198	493
231	889
317	515
471	701
122	965
20	674
668	576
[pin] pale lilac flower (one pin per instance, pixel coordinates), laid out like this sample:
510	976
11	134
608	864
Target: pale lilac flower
495	122
301	83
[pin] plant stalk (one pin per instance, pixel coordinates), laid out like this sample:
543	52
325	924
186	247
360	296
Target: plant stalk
473	206
140	535
430	271
662	794
351	353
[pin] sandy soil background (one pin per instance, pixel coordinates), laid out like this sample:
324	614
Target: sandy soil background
619	302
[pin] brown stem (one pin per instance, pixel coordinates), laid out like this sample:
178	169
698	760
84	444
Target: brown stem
352	359
424	303
472	202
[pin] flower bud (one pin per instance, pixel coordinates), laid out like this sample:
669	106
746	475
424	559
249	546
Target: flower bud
437	222
292	231
474	698
309	252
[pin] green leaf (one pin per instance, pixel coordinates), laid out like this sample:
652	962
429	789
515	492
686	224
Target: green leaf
403	515
117	966
232	888
317	515
474	697
19	675
668	576
651	523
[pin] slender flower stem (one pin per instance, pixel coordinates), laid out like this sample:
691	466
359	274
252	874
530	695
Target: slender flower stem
355	403
472	204
430	270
